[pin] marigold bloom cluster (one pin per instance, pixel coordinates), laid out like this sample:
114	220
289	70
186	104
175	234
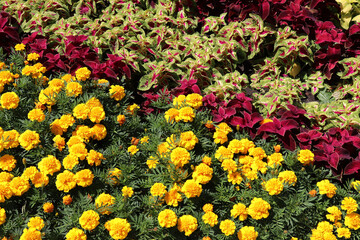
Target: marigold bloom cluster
258	208
306	157
187	224
118	228
227	227
89	220
9	100
167	218
326	187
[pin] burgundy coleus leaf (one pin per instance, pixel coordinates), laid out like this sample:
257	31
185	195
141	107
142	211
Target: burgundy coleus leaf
223	114
245	101
352	167
288	141
326	59
293	112
265	7
306	138
210	101
249	120
313	3
279	127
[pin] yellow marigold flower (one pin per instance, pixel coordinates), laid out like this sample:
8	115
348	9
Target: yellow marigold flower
9	100
5	191
188	140
312	193
94	102
40	180
73	89
70	161
29	172
30	233
75	234
6	77
352	221
208	207
324	230
56	128
186	114
99	132
49	165
202	173
306	157
10	139
7	162
257	153
187	224
173	196
163	148
227	227
258	208
220	136
234	177
210	218
167	218
103	83
94	157
67	200
239	210
194	100
179	101
6	177
114	176
247	233
47	96
180	156
36	115
223	153
356	185
117	92
326	187
118	228
81	111
191	188
68	78
56	84
19	186
172	115
33	57
229	165
127	191
66	121
132	108
158	189
89	220
120	119
343	232
288	177
349	204
235	146
65	181
151	162
82	74
48	207
79	150
206	160
59	142
36	222
104	202
275	160
29	139
274	186
97	114
335	214
2	65
2	216
84	177
133	149
144	139
19	47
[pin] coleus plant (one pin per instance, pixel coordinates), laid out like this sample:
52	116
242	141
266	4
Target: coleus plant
9	31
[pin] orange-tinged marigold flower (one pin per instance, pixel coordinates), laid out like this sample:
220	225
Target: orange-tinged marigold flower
9	100
186	114
326	187
99	132
210	218
117	92
7	162
89	220
5	191
247	233
275	160
120	119
75	234
335	214
133	149
30	233
5	177
288	177
172	115
202	173
2	216
33	56
6	77
118	228
67	200
274	186
19	47
191	188
59	142
70	161
84	178
94	157
352	221
36	222
10	139
188	140
180	156
81	111
179	101
194	100
29	139
258	208
48	207
19	186
343	233
104	202
227	227
47	96
187	224
167	218
79	150
312	193
151	162
158	189
49	165
73	89
97	114
40	180
65	181
173	196
82	74
208	207
36	115
132	109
